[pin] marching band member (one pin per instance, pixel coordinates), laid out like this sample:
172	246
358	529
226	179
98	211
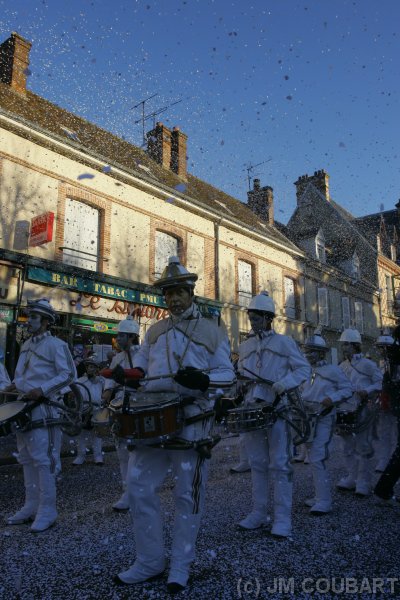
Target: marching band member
91	386
194	353
386	427
265	354
117	377
384	489
4	378
366	380
327	387
44	370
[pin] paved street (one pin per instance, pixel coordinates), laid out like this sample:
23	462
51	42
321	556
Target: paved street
355	546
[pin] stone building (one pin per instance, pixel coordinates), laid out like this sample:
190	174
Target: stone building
89	219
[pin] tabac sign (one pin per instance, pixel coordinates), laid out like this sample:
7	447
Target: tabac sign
93	287
41	229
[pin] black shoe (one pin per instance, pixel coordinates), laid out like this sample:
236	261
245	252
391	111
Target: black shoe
118	581
175	588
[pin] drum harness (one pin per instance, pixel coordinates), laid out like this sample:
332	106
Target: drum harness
360	424
301	424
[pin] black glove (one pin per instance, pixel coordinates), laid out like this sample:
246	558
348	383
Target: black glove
118	374
221	407
193	379
133	383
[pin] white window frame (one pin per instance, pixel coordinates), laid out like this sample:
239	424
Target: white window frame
346	315
359	316
355	267
323	306
165	245
81	242
245	292
320	251
290	299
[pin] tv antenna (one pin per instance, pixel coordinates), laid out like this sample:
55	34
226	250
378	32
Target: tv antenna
142	103
151	115
251	168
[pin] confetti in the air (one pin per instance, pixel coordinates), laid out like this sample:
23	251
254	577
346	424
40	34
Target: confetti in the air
85	176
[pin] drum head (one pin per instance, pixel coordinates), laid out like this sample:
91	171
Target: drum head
145	400
101	416
9	410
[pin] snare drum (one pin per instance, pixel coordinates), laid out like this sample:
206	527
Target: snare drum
149	417
14	416
347	421
250	418
101	423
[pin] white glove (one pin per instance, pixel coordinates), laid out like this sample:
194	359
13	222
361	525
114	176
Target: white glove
278	388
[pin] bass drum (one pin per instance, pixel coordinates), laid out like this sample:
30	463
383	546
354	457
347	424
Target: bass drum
73	403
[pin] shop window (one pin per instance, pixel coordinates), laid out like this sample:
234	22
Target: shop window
245	281
323	309
345	312
290	297
81	235
359	316
165	246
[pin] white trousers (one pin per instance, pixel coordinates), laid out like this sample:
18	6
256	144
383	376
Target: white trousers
357	452
270	452
147	469
318	454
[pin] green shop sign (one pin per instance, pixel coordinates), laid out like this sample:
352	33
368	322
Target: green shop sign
99	326
90	286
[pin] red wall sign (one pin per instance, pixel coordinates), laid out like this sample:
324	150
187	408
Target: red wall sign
41	229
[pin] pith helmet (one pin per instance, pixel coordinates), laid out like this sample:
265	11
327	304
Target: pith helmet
350	335
316	341
128	325
42	307
262	302
175	274
385	339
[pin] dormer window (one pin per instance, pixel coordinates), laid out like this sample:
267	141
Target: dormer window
320	246
355	267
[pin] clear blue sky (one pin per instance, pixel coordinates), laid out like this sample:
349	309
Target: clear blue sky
311	84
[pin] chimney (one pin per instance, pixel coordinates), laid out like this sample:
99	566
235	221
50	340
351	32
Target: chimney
178	152
261	201
14	62
320	180
159	145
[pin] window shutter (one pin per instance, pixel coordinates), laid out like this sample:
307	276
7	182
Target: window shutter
323	306
245	281
358	310
81	235
290	298
166	246
345	312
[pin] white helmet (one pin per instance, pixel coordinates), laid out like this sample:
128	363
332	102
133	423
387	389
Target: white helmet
384	340
128	325
42	307
262	302
175	274
350	335
316	342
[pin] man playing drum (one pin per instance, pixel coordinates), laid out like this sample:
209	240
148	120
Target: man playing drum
326	388
185	355
91	387
268	354
117	378
366	380
44	371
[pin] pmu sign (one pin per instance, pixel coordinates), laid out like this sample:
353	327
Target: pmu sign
41	229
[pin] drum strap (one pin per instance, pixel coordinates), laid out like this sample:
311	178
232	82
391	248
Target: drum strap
51	422
203	447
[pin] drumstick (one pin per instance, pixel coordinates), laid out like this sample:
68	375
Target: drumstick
262	379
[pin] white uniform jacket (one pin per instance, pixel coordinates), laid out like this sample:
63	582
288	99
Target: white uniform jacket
275	357
192	341
46	362
4	378
364	374
95	386
327	381
122	359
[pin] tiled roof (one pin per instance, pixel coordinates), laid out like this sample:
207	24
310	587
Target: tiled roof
85	136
